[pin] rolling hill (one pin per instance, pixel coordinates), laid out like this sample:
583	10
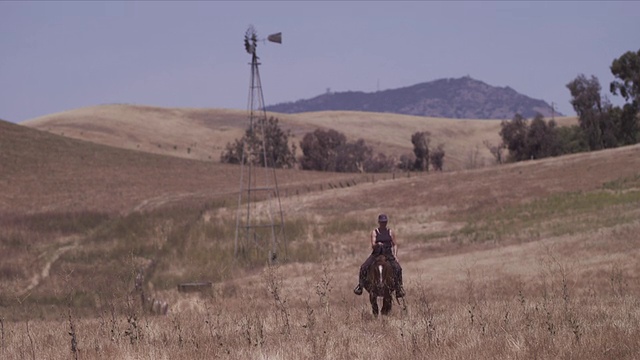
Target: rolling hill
202	134
538	257
44	172
462	98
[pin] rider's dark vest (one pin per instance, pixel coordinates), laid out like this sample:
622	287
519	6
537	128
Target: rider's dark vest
383	236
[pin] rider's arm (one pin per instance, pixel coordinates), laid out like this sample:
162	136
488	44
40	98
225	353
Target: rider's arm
373	239
394	249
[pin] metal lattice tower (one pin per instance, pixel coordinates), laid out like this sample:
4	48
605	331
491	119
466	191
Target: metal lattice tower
259	219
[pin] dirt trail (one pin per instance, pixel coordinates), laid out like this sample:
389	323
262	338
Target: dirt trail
68	243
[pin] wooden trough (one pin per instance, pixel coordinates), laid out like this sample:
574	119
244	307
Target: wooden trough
195	287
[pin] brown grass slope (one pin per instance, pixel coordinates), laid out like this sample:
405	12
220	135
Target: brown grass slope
538	259
57	192
40	172
203	133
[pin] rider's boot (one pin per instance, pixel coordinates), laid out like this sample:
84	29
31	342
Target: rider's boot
358	289
361	276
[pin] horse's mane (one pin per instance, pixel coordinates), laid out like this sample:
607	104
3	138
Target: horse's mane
380	259
378	249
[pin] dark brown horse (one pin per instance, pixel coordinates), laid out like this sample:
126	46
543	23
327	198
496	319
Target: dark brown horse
380	282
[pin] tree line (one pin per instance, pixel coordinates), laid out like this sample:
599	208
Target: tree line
326	150
601	125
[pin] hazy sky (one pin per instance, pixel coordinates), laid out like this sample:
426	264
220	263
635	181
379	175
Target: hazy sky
57	56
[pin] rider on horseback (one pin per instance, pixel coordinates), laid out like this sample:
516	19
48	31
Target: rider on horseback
385	237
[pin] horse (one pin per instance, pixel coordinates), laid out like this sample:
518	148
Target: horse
380	282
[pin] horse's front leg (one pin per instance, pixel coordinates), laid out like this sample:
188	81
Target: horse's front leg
374	303
387	303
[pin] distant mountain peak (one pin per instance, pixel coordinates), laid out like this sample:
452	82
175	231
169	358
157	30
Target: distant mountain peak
457	98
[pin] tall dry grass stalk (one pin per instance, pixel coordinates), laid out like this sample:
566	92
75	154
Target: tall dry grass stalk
74	339
533	328
2	346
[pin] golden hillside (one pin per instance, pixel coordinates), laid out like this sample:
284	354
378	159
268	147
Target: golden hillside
203	133
43	172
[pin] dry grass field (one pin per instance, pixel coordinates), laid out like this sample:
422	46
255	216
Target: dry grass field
535	260
203	133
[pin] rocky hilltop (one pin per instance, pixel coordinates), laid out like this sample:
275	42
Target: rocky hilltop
462	98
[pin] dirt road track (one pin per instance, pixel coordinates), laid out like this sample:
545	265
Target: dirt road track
68	243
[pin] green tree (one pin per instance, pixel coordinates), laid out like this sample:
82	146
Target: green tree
536	139
320	149
541	139
420	141
571	140
626	69
263	144
626	124
351	157
279	153
329	150
379	163
514	134
437	157
406	162
587	103
233	152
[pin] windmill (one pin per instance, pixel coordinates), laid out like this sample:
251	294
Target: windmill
259	218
